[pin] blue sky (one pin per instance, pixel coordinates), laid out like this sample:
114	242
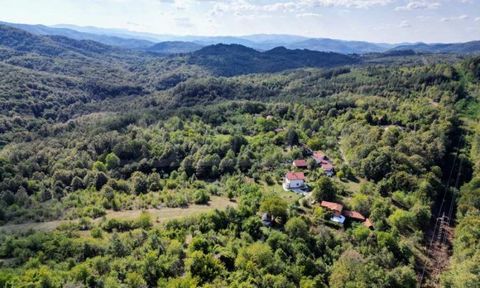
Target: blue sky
370	20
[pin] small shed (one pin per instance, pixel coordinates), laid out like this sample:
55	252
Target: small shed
300	163
368	224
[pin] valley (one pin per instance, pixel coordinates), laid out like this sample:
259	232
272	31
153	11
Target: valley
126	168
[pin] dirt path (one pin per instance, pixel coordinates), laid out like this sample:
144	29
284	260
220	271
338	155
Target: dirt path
158	215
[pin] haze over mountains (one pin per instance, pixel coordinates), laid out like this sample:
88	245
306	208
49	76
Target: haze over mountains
262	42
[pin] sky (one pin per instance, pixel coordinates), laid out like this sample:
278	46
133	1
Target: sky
390	21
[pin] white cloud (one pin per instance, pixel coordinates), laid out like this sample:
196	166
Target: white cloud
477	19
308	14
239	7
404	24
418	5
183	22
454	18
349	3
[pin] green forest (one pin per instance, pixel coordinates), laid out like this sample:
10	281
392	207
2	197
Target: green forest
129	169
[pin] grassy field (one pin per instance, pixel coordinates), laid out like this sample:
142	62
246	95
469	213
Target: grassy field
290	197
351	186
165	214
158	215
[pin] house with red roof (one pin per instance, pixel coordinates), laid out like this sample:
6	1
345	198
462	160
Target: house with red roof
337	211
294	180
322	160
300	163
337	208
319	156
354	215
339	215
327	167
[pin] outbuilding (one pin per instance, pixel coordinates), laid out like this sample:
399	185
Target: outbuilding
300	163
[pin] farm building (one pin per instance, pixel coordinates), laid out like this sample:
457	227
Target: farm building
337	211
300	163
354	215
322	160
319	156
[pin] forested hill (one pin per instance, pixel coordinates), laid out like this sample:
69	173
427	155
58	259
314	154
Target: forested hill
108	148
229	60
54	78
472	47
22	41
124	42
174	47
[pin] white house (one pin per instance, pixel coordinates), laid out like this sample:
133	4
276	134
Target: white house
294	180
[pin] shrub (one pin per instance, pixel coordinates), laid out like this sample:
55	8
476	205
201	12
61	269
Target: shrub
201	197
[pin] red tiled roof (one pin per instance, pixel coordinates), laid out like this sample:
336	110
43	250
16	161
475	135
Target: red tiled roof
319	154
300	163
368	223
332	206
354	214
326	165
295	176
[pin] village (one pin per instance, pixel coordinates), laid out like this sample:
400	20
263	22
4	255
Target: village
296	181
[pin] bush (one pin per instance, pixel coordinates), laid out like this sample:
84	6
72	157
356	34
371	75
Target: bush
118	225
144	221
96	233
201	197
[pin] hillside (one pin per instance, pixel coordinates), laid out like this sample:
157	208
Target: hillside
123	42
174	47
230	60
261	42
338	46
123	168
472	47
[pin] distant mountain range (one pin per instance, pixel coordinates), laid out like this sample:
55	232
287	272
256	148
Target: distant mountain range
129	43
172	44
460	48
53	53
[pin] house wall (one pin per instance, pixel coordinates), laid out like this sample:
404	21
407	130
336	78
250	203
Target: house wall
294	183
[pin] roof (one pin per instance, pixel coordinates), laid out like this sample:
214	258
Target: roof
354	215
295	176
319	155
300	163
368	223
332	205
326	165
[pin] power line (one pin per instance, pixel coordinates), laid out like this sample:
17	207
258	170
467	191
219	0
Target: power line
443	221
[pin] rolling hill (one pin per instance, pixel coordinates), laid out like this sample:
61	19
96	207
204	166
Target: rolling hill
230	60
174	47
123	42
173	44
459	48
339	46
